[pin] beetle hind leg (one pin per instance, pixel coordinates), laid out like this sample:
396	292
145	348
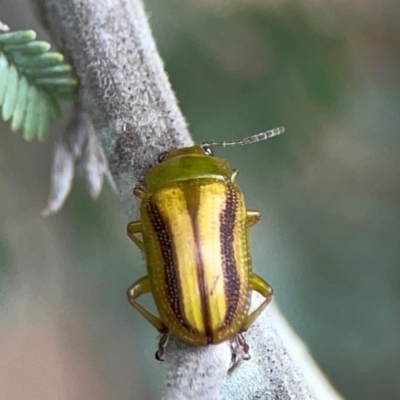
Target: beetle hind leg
140	287
239	346
239	351
161	346
261	286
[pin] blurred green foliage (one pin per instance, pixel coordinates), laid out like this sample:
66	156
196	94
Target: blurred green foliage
7	264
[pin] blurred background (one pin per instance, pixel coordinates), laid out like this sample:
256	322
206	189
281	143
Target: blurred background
328	191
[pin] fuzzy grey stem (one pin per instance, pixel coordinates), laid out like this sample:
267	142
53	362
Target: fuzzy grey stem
125	90
132	107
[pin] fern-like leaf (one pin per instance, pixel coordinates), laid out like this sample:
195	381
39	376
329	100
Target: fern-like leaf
32	81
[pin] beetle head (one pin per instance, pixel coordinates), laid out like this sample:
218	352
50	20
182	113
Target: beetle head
187	163
197	161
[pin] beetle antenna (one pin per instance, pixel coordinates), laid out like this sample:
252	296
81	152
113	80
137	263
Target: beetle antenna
248	140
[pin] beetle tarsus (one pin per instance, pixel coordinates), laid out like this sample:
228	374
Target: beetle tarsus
239	350
161	347
234	354
242	344
159	355
234	358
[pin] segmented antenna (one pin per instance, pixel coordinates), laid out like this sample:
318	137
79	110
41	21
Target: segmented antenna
248	140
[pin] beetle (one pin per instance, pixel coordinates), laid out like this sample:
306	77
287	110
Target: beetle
194	226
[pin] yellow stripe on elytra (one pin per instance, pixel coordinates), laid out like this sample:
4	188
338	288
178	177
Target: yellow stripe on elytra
212	199
172	205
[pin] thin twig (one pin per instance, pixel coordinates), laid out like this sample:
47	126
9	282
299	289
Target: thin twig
133	109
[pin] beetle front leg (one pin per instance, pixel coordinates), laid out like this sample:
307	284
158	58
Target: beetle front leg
140	287
131	230
259	285
139	191
252	217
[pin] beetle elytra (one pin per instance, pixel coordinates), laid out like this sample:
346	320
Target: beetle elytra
194	226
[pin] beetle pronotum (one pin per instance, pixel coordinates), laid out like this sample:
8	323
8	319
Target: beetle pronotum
194	227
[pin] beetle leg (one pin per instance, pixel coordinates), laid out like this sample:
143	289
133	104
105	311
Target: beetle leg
133	228
242	344
235	173
239	351
139	191
252	217
259	285
161	346
136	290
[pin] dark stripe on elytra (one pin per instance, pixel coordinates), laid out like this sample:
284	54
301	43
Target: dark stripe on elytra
170	266
193	207
227	220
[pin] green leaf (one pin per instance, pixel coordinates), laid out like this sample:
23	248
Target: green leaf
20	108
3	77
57	82
44	119
32	82
10	98
55	108
60	69
65	95
17	37
42	60
35	47
32	110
